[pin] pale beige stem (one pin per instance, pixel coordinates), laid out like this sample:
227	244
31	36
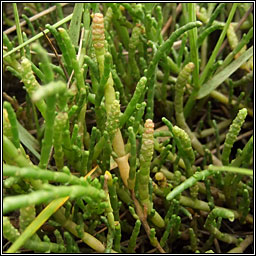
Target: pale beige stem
118	144
124	168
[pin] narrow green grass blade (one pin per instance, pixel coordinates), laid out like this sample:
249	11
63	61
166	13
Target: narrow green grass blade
244	40
218	45
28	141
213	83
74	28
37	223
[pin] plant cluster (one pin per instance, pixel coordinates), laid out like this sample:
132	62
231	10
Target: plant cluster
127	139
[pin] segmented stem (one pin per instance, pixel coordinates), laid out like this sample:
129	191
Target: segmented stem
132	139
146	154
179	87
31	83
185	143
232	135
13	122
59	126
189	183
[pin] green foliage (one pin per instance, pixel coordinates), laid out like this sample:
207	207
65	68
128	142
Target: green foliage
79	148
232	134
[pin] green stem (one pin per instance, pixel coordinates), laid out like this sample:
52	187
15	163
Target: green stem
135	99
232	135
132	173
13	155
37	173
135	233
207	32
13	122
201	205
71	227
146	155
211	226
232	169
193	45
31	84
207	132
72	55
40	196
243	245
189	183
48	134
246	155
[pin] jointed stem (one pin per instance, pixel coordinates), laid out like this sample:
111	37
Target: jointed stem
143	220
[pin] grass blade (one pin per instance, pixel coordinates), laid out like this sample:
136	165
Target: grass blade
218	45
28	141
41	219
74	28
37	223
213	83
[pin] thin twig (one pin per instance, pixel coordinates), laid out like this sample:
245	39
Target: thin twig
56	54
100	231
11	100
143	220
6	244
139	240
35	17
244	135
105	227
228	227
169	21
217	246
152	250
32	52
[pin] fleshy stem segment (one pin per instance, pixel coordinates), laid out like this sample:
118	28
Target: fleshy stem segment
13	122
232	135
146	155
179	113
98	38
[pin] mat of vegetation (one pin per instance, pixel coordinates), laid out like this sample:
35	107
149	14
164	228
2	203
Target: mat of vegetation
128	127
